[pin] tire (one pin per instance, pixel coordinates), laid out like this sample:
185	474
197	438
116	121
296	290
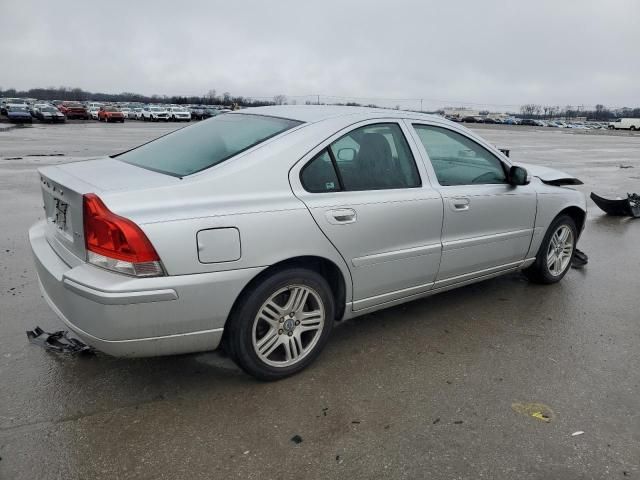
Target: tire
252	321
633	128
541	271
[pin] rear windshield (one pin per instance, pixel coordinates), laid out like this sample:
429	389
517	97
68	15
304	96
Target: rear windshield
205	144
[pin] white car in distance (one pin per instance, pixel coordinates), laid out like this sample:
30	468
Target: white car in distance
155	114
179	114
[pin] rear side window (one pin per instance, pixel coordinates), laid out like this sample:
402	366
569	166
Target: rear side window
374	157
208	143
319	175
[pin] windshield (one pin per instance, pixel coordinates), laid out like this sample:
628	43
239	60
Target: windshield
17	108
195	148
48	109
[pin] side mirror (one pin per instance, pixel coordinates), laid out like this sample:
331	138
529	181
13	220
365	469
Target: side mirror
346	154
518	176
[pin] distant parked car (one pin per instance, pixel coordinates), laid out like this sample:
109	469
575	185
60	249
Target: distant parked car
155	114
471	120
179	114
530	122
11	101
110	114
74	110
48	113
18	113
125	111
93	112
34	108
197	112
96	105
632	124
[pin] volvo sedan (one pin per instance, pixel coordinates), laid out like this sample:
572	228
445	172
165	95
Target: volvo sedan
258	230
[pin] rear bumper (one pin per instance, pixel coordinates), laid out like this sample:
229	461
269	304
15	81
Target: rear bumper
136	317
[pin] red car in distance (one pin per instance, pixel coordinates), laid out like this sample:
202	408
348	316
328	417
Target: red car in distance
74	110
109	113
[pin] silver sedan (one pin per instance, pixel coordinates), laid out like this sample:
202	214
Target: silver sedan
258	230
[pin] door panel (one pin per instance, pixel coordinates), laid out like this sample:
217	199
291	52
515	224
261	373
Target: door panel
392	242
488	223
374	202
494	229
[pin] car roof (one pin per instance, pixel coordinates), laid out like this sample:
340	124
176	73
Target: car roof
317	113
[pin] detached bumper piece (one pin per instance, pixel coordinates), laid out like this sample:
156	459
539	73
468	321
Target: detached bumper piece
58	342
580	259
620	207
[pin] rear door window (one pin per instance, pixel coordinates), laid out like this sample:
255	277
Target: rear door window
373	157
198	147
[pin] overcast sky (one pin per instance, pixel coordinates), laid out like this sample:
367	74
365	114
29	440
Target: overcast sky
492	52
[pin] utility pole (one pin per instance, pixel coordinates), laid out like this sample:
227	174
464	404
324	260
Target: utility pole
420	105
318	99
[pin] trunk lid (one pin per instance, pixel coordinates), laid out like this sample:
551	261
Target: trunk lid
63	187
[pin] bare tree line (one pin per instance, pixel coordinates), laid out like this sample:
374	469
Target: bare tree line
599	112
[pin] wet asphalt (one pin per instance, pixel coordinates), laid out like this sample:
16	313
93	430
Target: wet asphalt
487	381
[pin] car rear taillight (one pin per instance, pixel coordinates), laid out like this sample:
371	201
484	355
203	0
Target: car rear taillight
116	243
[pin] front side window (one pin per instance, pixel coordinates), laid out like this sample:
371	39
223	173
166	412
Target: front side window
458	160
374	157
195	148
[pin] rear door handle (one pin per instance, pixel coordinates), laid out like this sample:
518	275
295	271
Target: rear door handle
341	216
460	204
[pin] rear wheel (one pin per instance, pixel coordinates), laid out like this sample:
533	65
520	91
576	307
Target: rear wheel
282	324
632	128
556	252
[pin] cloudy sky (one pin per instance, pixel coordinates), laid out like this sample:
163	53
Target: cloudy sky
489	52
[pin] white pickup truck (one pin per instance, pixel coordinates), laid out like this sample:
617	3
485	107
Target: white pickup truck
625	124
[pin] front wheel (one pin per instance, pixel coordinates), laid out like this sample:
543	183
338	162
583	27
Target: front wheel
556	252
282	324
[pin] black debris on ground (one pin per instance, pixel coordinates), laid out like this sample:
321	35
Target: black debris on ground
297	439
580	259
58	342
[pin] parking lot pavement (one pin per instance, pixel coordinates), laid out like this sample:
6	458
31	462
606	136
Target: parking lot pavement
436	388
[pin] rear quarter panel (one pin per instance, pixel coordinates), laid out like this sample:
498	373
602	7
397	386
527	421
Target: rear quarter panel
251	193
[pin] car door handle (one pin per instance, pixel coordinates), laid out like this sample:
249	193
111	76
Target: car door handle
460	204
341	216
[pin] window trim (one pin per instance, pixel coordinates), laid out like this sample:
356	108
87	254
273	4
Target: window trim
505	167
339	135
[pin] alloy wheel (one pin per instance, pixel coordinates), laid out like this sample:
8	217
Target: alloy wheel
560	250
288	325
